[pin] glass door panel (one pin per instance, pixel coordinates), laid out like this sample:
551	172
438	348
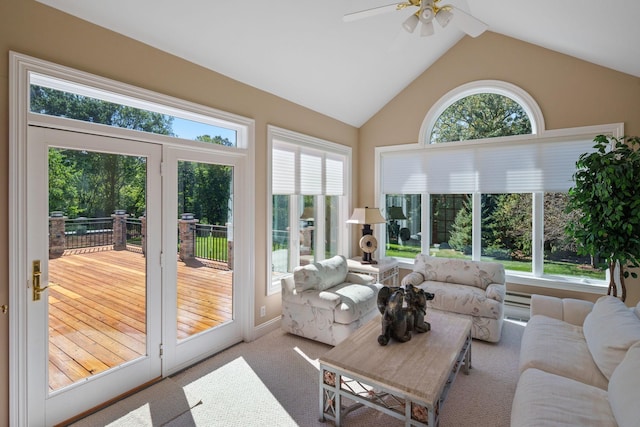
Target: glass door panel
205	247
97	268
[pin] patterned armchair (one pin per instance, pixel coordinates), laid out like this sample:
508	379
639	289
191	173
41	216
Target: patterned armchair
472	289
324	302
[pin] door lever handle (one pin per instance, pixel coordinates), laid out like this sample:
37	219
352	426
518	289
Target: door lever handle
36	274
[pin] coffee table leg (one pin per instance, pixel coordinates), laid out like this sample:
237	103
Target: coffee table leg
330	399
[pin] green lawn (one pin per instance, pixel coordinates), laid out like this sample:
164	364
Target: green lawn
550	267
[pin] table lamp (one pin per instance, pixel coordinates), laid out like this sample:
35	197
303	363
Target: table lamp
367	216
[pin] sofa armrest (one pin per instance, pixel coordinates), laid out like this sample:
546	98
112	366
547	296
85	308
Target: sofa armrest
570	310
359	279
496	291
414	278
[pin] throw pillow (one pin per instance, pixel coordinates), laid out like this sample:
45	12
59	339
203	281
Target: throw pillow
334	272
321	275
307	277
624	393
610	329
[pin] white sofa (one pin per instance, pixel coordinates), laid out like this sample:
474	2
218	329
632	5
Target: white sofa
579	364
324	302
473	289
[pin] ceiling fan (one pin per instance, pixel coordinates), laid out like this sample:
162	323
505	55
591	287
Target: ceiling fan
428	10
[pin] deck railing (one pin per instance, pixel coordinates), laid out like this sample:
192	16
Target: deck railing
88	232
211	242
204	241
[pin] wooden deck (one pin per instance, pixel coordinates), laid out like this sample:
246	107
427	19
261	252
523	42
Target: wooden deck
97	309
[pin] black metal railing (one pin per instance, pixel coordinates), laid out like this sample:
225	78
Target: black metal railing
211	242
88	232
134	232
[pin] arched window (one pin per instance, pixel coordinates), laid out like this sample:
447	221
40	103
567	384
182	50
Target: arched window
480	110
479	116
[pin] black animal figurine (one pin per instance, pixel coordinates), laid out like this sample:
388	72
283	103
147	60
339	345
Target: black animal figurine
400	320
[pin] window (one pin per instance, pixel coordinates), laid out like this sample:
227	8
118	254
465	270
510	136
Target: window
60	98
495	183
308	202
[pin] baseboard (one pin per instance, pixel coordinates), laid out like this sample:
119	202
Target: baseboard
517	306
265	328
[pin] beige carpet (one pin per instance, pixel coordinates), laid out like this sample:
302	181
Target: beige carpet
273	381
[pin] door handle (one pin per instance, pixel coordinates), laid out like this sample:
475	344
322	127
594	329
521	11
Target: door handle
35	280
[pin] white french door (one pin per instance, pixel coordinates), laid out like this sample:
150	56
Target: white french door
203	316
141	287
93	311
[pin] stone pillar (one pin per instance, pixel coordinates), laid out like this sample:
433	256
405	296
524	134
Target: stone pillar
143	233
120	229
57	238
230	245
187	226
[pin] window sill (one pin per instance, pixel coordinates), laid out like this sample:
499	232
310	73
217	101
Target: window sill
559	282
591	286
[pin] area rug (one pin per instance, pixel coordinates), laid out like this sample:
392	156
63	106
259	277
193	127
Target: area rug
273	381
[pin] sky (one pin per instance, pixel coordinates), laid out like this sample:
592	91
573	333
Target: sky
188	129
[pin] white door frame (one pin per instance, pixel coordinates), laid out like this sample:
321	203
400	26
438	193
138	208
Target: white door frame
20	68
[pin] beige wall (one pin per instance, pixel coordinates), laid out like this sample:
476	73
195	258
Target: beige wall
33	29
570	93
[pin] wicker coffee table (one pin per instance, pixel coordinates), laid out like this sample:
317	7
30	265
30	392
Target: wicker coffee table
407	380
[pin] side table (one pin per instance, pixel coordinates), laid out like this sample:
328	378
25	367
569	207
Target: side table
385	271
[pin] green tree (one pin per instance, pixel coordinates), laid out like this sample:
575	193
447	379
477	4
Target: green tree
99	183
461	230
607	195
509	222
63	178
483	115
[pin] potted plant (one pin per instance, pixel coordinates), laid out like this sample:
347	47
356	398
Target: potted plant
606	197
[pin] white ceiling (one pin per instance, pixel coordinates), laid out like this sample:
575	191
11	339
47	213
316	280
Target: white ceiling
302	51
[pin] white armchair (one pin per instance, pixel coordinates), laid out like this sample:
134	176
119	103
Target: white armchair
324	302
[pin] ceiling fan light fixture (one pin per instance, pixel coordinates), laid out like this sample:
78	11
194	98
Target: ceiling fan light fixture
426	15
443	17
410	24
426	29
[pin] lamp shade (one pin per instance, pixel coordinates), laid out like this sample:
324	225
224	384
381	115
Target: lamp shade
395	212
443	17
366	216
410	23
307	214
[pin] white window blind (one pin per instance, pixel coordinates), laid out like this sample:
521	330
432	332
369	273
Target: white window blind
533	165
297	169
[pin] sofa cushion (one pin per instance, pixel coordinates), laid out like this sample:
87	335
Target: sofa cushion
461	271
559	348
355	301
610	329
624	392
462	299
544	399
321	275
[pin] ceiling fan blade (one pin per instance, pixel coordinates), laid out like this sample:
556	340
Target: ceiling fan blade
467	23
354	16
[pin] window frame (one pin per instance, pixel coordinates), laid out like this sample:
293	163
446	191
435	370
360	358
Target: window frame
537	277
289	137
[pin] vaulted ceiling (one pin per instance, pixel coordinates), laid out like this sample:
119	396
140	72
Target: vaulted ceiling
304	52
